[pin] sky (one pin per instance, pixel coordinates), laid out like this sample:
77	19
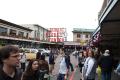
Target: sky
52	13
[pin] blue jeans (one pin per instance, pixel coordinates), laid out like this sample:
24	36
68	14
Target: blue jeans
61	76
106	75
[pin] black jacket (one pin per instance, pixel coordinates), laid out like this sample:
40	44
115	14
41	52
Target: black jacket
51	59
106	63
67	61
4	76
35	76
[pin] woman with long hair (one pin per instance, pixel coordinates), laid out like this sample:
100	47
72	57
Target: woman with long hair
90	66
32	70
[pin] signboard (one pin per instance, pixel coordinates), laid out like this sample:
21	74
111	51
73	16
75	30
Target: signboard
56	39
56	34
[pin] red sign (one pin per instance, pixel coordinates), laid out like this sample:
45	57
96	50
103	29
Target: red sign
56	39
56	34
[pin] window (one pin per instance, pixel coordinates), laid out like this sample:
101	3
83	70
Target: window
20	34
78	35
86	36
38	34
3	31
27	35
12	32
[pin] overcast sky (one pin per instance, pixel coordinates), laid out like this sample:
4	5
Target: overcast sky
52	13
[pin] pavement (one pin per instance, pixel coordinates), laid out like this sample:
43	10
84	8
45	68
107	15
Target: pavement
75	75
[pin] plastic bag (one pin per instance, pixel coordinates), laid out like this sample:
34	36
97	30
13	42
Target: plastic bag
98	71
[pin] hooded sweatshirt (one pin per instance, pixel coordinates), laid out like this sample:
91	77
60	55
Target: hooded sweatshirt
106	62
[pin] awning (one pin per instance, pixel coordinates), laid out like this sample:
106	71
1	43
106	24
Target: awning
110	22
71	43
18	39
111	12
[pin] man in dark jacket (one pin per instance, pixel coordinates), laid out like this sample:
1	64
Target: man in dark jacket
51	61
10	58
106	64
69	61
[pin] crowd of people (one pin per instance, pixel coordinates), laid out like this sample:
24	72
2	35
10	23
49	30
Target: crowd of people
10	68
40	69
94	65
13	65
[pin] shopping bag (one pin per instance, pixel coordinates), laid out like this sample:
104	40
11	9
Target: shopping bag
98	71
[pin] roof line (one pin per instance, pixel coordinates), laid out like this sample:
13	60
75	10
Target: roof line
15	25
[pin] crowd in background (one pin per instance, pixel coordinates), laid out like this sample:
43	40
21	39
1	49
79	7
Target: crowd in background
94	65
34	69
89	62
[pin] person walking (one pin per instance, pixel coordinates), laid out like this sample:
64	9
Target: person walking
51	62
10	61
106	64
32	70
67	56
23	61
80	61
64	66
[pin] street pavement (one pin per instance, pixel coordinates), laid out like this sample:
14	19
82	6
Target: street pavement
75	75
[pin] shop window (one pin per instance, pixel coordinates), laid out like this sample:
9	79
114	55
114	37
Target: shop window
20	34
27	35
3	31
12	32
78	35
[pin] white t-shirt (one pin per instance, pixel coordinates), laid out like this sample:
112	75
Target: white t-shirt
63	67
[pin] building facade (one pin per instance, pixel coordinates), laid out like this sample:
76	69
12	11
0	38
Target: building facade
38	33
11	33
27	35
109	21
82	35
109	28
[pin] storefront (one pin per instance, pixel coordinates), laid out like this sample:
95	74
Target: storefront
109	22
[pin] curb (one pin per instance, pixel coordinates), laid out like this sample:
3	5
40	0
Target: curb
73	73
